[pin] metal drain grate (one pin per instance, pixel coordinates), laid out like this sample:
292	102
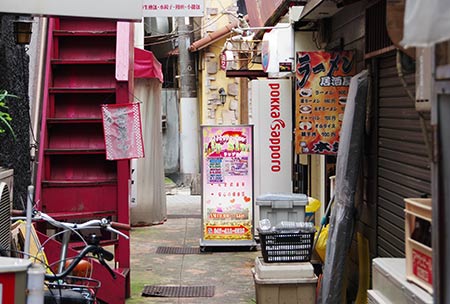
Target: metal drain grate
178	250
178	291
182	216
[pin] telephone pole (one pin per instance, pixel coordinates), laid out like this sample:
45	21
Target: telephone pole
189	109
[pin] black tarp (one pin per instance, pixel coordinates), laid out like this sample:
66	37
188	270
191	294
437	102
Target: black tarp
340	232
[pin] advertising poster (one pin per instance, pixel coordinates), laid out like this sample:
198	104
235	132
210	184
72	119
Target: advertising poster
321	88
227	174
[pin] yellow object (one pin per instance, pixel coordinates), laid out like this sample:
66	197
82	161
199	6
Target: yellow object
313	205
311	208
364	269
321	245
37	255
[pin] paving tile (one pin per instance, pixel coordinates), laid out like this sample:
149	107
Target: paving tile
229	272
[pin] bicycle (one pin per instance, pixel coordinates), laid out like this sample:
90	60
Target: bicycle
71	282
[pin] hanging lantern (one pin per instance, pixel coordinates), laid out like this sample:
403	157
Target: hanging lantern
23	29
222	95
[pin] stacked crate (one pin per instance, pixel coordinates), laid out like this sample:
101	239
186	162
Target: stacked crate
284	273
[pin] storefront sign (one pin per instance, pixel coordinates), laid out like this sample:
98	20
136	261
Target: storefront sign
322	82
227	196
173	8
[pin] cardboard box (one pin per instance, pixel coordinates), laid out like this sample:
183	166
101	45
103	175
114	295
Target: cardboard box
418	250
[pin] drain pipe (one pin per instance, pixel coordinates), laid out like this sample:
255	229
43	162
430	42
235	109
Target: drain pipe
38	92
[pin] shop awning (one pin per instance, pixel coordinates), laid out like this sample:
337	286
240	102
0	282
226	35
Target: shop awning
146	65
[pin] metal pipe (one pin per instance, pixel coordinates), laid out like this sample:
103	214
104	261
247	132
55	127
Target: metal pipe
64	247
28	220
38	94
35	284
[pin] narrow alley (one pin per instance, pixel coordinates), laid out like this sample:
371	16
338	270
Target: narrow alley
229	273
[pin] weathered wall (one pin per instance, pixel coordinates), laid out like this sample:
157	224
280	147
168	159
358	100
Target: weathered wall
14	152
212	77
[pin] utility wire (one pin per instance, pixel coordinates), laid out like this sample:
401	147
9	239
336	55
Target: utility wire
174	34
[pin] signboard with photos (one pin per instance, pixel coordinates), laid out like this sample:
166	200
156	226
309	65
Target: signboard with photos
227	192
321	88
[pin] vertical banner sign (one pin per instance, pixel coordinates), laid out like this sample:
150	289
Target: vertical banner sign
227	174
123	131
272	136
321	88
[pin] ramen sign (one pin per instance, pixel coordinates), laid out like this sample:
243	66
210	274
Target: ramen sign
321	88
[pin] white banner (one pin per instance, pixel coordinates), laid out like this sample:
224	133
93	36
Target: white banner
114	9
173	8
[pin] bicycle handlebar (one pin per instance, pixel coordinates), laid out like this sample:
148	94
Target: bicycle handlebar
96	223
98	251
120	226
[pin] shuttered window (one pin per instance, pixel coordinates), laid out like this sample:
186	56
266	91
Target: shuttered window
403	167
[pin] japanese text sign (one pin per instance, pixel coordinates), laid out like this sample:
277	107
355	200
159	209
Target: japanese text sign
227	183
122	130
173	8
322	82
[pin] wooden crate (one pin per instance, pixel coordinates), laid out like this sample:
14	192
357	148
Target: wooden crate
418	250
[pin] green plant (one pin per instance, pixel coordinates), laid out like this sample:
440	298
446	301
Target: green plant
5	118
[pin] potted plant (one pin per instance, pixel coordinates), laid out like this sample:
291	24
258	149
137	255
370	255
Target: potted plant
5	118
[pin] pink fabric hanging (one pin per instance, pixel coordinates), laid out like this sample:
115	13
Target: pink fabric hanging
123	131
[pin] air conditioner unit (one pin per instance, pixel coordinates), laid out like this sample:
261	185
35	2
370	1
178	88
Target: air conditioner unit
6	196
318	9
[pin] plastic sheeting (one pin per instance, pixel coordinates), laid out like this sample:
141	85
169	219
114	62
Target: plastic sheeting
426	22
340	231
150	202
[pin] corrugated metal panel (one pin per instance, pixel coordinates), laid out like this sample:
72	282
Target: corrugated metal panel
403	167
376	34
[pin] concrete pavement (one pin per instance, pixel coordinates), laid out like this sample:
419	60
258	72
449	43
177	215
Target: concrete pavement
229	272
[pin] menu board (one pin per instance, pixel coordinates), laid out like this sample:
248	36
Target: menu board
227	175
321	88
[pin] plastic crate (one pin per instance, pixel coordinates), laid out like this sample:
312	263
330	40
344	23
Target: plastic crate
278	207
285	291
282	246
